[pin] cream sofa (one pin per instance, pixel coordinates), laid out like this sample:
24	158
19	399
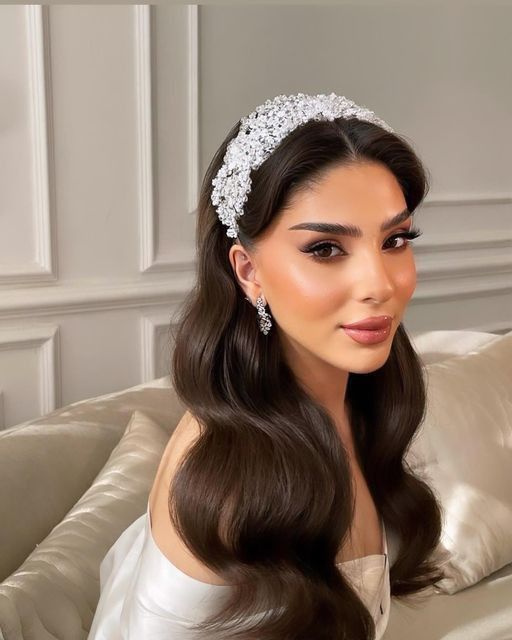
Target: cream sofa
73	480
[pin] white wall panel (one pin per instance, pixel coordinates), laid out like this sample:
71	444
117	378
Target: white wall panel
466	248
25	220
83	118
166	49
94	89
157	346
30	364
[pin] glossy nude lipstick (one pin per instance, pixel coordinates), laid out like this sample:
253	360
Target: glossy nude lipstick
370	330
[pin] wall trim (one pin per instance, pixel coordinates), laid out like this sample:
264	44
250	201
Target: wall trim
152	326
149	260
39	109
47	340
144	90
452	199
488	276
90	297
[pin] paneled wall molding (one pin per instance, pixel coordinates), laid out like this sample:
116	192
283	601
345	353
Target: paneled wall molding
149	260
466	241
472	264
46	340
483	254
2	415
80	297
469	262
41	269
152	327
459	288
468	199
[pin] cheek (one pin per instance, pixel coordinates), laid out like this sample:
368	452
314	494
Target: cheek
302	292
405	280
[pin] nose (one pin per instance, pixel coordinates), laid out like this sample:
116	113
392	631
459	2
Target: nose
375	277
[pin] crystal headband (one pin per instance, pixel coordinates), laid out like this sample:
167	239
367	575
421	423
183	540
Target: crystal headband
260	133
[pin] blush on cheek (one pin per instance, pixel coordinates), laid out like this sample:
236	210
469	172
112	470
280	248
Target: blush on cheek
307	296
408	285
406	277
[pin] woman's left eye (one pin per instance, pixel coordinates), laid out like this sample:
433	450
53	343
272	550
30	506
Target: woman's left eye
409	235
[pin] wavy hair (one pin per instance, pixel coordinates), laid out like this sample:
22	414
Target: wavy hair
264	496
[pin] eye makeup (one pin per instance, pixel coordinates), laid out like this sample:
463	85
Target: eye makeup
409	235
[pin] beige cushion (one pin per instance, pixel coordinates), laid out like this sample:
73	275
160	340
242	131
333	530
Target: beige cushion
480	612
34	461
46	464
438	345
463	450
55	592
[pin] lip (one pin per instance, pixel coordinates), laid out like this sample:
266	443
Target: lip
373	323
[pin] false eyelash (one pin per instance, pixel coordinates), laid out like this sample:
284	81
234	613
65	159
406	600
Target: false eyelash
409	235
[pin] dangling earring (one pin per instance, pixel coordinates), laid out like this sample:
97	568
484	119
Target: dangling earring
265	322
264	318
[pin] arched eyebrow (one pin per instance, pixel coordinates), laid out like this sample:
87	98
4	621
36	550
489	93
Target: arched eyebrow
349	229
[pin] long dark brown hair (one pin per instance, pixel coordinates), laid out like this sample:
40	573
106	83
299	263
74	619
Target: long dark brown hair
264	497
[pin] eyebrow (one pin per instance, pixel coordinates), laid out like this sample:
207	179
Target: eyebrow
349	229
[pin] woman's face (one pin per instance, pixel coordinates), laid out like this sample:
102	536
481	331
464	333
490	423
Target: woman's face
350	279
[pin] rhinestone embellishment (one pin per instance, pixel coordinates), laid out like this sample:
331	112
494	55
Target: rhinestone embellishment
264	317
259	135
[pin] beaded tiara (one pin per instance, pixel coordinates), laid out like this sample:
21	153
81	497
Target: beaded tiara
259	135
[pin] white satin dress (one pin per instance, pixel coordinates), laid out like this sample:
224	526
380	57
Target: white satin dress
143	595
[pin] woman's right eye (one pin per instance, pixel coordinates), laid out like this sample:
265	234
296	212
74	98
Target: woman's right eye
321	247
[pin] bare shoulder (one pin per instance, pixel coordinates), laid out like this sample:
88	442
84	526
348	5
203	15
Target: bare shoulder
184	435
166	538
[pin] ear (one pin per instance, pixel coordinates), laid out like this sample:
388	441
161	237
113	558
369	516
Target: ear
245	270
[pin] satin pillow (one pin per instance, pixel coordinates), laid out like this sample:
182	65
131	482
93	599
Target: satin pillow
55	591
463	450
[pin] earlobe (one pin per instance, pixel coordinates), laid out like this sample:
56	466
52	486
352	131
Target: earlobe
244	270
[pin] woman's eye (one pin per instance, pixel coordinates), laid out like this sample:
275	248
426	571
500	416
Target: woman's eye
325	248
394	238
322	248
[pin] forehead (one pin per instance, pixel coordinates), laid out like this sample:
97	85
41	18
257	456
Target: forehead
355	193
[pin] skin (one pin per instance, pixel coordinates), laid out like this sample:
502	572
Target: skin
309	299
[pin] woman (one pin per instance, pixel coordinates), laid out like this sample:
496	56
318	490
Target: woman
271	510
